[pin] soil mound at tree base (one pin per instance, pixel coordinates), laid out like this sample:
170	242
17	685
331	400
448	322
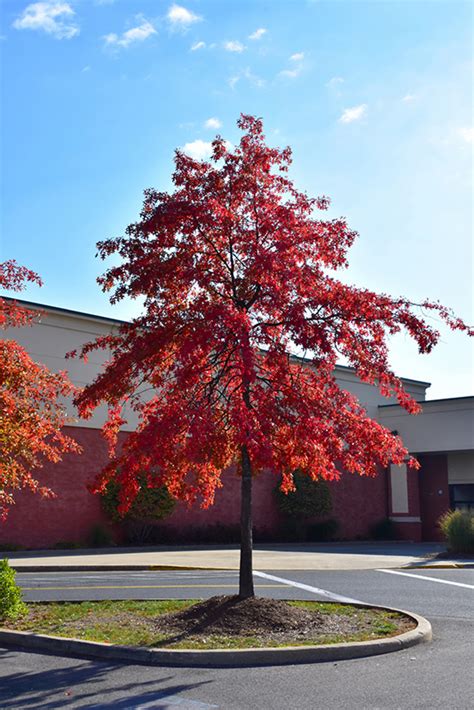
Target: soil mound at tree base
232	615
273	621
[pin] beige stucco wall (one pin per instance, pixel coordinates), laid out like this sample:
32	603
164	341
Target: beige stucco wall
399	489
58	332
55	334
370	396
444	425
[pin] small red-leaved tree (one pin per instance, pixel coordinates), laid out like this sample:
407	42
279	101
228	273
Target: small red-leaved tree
233	268
31	413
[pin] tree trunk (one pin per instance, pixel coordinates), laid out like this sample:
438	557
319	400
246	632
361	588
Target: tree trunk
246	588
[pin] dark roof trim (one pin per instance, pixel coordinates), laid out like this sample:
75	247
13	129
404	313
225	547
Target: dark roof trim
67	311
430	401
106	319
352	369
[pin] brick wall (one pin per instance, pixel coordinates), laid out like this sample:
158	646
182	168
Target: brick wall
358	503
34	522
42	522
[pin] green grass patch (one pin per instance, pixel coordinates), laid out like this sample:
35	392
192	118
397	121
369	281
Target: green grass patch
131	623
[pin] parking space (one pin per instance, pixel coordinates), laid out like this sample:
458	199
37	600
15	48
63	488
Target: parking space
430	676
429	592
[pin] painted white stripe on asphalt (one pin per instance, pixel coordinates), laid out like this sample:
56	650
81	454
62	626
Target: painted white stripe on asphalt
307	588
427	579
180	702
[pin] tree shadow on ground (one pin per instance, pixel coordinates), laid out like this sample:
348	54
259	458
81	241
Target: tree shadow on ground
81	682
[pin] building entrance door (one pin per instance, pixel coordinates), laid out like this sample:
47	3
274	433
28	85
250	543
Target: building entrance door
434	494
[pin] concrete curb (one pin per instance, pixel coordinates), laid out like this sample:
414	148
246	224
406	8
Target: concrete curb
156	568
451	565
113	568
222	658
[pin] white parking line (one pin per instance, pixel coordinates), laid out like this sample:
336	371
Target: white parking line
307	588
427	579
174	700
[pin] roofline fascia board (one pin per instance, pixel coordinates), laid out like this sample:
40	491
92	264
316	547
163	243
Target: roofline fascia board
66	311
348	369
430	401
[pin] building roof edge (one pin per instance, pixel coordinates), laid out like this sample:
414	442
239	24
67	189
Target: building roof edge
116	321
424	402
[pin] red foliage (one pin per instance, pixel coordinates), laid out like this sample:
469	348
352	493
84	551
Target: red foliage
31	417
13	278
233	269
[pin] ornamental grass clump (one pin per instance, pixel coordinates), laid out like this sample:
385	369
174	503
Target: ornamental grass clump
11	604
457	527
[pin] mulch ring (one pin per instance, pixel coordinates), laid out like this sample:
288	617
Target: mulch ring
271	620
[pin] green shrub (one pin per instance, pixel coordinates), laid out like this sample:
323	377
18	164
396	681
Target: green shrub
11	605
310	498
458	529
212	534
138	532
216	533
150	503
383	530
323	531
291	530
99	536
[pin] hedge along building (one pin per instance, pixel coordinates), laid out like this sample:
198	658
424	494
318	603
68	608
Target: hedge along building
442	438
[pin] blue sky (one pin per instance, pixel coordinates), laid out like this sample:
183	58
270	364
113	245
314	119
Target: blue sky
374	97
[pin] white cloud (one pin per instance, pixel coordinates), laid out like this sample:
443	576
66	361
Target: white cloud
353	114
85	69
247	73
408	98
213	123
54	18
334	82
297	66
197	45
335	85
234	46
258	34
467	134
179	17
200	150
135	34
253	78
291	73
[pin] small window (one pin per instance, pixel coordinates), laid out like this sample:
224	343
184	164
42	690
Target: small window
462	496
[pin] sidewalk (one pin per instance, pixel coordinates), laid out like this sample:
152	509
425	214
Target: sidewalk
329	556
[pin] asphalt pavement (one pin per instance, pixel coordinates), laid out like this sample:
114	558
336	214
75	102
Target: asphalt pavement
435	675
416	590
